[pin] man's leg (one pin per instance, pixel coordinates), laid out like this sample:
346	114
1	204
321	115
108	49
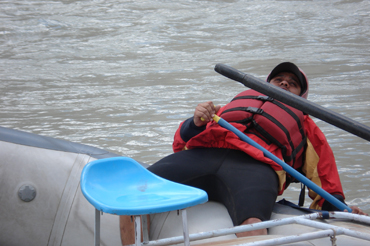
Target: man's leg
252	188
127	229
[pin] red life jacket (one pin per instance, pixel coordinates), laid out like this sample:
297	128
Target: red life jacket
272	121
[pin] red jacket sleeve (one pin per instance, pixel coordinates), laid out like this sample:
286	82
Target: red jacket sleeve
178	143
326	168
186	131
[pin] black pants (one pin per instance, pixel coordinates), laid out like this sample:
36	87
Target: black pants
248	188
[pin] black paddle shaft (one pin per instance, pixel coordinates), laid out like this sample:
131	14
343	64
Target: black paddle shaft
295	101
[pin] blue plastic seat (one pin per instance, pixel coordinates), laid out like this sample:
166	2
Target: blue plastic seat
122	186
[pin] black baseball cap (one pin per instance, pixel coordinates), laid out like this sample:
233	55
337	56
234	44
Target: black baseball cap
291	68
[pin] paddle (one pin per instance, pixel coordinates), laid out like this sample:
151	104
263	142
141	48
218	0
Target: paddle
295	101
324	194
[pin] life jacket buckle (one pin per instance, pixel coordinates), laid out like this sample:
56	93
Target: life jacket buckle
254	110
265	98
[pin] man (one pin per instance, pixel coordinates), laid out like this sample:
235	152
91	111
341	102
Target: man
238	175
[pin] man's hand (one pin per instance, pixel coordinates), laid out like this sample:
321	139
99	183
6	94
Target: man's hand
204	113
356	210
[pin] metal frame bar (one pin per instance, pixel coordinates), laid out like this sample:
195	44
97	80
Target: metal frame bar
307	220
144	219
137	230
185	227
97	228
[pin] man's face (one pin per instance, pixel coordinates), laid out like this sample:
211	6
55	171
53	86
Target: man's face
288	82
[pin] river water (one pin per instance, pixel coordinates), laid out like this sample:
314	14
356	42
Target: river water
121	75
